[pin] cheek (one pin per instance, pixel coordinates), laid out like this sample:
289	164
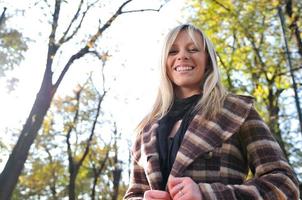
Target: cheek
169	72
169	62
169	68
200	74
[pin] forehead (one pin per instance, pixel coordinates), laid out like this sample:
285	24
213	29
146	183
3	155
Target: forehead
188	37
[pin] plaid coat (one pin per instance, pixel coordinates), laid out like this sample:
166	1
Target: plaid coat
217	154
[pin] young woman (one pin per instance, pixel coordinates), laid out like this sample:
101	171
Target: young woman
199	142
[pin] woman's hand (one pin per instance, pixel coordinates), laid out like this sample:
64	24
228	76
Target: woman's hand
183	188
156	195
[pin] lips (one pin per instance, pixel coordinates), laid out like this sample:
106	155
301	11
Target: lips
183	68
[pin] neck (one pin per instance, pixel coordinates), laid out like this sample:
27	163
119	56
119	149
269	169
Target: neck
182	93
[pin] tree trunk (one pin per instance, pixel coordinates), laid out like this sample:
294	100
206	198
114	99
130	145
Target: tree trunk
95	180
72	179
116	182
15	163
273	109
117	168
294	84
294	24
16	160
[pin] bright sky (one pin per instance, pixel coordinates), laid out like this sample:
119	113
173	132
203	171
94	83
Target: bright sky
134	42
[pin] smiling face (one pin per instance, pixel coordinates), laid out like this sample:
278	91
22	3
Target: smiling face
186	63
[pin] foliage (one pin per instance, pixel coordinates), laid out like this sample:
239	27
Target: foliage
12	46
46	172
63	35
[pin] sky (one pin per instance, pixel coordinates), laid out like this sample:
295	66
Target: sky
133	41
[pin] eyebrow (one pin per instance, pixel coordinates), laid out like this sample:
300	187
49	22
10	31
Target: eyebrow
190	43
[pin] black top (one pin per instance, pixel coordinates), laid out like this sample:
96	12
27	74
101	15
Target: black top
168	146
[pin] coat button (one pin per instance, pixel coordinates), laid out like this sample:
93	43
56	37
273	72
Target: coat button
209	155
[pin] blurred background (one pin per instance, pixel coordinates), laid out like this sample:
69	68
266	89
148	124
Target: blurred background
77	76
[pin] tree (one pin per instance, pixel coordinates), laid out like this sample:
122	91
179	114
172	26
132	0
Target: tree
294	27
76	159
293	9
49	86
46	171
72	132
117	169
12	46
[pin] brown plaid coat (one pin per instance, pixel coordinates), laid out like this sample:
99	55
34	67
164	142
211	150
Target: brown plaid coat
217	155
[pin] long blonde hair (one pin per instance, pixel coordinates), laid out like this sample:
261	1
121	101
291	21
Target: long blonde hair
213	92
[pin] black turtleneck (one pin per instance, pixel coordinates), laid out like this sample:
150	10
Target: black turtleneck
182	109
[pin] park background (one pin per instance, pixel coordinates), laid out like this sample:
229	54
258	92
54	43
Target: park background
76	76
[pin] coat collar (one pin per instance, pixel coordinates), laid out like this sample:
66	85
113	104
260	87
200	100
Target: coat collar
201	137
205	135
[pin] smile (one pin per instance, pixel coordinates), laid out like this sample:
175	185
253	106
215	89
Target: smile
183	68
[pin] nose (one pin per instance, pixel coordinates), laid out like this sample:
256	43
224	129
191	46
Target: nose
183	55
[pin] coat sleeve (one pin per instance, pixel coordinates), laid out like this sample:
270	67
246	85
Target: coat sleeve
138	182
273	178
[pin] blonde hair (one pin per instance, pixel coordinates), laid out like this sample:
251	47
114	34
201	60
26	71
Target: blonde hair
213	92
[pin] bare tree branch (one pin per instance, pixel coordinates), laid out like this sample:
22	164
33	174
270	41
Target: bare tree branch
2	17
15	163
64	37
54	24
143	10
90	43
103	57
72	126
97	172
75	17
88	143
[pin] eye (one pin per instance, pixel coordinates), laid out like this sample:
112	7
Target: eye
173	51
193	50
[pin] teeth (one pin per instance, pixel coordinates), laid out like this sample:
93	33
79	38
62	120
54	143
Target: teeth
183	68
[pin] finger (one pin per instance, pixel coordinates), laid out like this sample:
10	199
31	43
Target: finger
156	194
176	189
172	181
159	194
182	196
147	195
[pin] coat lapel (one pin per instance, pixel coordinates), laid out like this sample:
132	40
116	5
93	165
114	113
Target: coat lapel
150	158
204	135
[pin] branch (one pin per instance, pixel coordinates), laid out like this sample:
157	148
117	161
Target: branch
101	168
103	57
70	128
2	17
52	46
294	69
227	71
257	51
90	43
262	34
98	110
220	4
143	10
92	40
64	37
54	24
74	57
71	22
